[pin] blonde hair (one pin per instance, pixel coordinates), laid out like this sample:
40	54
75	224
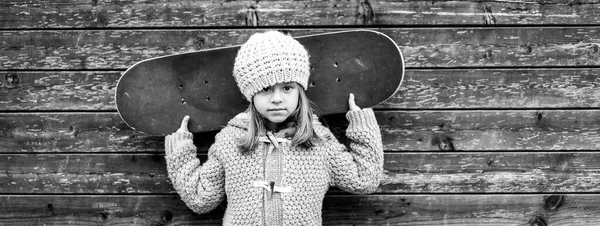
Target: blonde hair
299	125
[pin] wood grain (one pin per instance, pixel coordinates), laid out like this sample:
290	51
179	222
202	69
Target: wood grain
421	47
490	130
467	130
574	209
497	88
405	173
186	13
421	89
58	90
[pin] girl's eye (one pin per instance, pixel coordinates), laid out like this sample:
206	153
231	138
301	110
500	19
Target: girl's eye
266	89
288	87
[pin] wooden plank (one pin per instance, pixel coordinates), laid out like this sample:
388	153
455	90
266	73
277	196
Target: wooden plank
186	13
518	209
421	89
405	173
401	130
58	90
71	132
490	130
422	47
497	88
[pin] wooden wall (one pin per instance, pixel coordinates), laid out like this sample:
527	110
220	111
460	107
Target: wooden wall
497	121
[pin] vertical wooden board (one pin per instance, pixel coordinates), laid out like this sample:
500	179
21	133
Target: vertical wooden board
58	90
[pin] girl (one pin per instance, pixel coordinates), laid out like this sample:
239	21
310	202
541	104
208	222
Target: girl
275	162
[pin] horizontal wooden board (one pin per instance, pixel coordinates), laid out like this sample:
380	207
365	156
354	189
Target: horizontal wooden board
421	89
488	172
186	13
491	130
422	47
58	90
466	130
497	88
569	209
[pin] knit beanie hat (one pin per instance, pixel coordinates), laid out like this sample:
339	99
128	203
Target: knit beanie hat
267	59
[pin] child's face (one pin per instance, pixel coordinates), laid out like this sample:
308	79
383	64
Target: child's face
278	102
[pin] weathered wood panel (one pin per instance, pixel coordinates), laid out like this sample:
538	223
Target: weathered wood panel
401	130
491	130
422	47
58	90
71	132
497	88
569	209
186	13
495	172
421	89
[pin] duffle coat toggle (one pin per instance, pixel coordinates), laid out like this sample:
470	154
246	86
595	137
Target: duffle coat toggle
270	186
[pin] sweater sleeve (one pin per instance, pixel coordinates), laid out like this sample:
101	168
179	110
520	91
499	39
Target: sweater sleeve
200	186
359	168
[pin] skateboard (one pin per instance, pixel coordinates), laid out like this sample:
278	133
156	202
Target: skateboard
154	95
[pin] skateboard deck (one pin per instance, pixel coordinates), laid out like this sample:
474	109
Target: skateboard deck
154	95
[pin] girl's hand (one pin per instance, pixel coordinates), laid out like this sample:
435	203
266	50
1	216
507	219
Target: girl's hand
353	106
184	125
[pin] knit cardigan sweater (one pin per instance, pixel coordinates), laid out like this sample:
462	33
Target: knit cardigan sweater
275	184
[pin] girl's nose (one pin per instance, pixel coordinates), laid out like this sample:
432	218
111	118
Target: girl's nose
276	97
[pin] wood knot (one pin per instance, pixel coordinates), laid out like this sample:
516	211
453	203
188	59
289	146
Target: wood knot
443	142
102	216
553	202
595	48
537	221
166	216
12	80
251	16
488	54
364	13
199	42
527	49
